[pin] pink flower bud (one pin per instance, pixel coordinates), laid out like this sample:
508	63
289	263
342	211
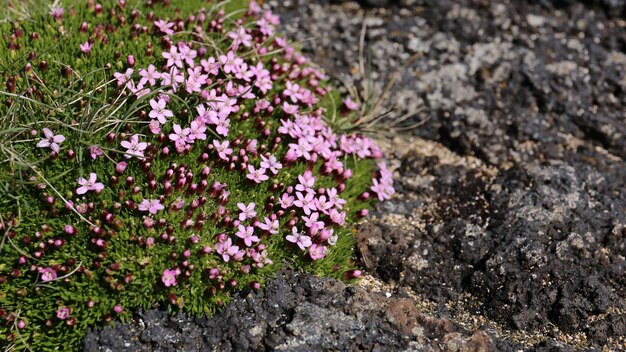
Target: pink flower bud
70	230
353	274
291	156
120	167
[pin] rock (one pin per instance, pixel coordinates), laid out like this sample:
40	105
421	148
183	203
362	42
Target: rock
295	312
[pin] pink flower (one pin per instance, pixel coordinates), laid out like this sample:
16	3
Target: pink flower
246	233
211	66
196	131
47	274
134	147
197	75
264	27
383	187
303	241
230	62
173	57
149	76
251	147
118	309
292	91
193	85
349	104
56	12
179	134
271	163
173	78
203	113
247	211
124	78
322	204
51	140
262	104
222	123
169	277
270	226
187	54
222	149
281	41
313	222
337	217
382	190
286	201
305	202
95	151
271	18
264	84
307	181
257	176
120	167
240	37
155	127
64	313
165	27
226	249
139	91
317	251
159	111
89	185
86	47
290	109
326	234
150	205
333	198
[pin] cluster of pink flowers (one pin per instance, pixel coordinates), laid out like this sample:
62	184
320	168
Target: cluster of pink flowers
383	187
216	158
219	85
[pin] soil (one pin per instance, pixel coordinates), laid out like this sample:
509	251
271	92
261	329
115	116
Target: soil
508	231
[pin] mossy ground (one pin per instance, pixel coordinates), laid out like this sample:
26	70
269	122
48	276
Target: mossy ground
48	82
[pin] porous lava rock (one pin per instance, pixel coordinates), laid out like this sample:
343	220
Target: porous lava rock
296	312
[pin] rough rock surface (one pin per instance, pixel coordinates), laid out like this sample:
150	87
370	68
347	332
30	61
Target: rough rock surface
296	313
521	202
509	229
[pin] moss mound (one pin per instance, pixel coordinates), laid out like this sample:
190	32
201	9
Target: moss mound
165	153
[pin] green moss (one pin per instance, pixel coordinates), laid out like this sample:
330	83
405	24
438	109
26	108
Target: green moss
75	95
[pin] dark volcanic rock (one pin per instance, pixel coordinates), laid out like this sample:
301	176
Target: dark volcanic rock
536	91
551	257
540	244
296	313
489	76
